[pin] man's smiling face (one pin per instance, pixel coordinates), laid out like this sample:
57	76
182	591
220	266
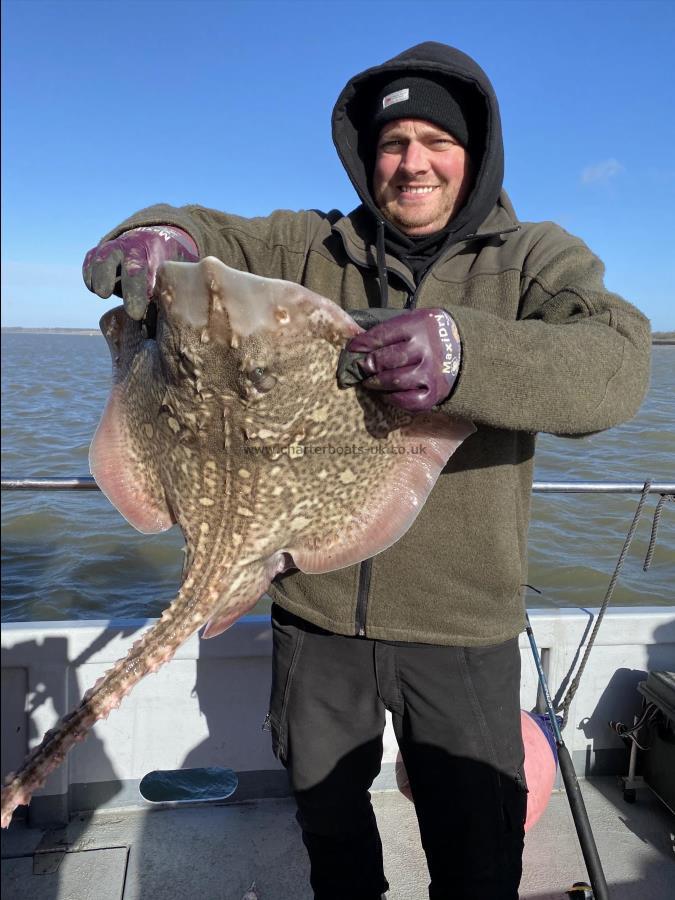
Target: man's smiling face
422	176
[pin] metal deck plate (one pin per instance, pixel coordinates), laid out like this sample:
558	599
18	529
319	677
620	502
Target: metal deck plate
84	875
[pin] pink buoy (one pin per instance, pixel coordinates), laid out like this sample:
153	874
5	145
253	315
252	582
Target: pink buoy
540	769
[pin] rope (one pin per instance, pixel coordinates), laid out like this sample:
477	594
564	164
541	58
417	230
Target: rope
655	527
569	696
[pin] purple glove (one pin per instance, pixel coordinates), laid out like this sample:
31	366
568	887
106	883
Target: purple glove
128	264
414	357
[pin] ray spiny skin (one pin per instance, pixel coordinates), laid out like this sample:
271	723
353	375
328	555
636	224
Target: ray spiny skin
225	417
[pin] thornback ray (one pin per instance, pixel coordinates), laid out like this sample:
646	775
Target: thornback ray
226	418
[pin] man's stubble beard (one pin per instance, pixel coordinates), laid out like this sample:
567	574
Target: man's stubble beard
444	214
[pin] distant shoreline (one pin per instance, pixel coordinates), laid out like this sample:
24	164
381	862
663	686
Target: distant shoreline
19	330
666	341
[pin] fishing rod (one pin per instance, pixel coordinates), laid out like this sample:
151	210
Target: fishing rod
574	796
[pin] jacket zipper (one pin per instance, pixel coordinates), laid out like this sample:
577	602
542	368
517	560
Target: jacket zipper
365	571
411	302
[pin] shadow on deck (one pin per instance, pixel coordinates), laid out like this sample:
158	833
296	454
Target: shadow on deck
216	852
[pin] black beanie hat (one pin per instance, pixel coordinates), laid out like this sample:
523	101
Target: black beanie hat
414	97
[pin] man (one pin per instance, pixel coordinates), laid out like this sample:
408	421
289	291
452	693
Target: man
504	323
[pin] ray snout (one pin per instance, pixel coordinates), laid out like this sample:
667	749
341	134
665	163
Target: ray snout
233	305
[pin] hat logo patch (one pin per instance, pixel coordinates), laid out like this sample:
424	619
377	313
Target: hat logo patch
396	97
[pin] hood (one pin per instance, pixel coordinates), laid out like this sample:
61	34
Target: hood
352	132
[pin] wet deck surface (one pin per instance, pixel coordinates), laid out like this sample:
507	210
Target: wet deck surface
216	852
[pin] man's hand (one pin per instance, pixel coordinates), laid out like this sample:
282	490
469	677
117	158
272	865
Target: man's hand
413	358
128	264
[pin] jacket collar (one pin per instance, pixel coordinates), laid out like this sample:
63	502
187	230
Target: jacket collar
357	232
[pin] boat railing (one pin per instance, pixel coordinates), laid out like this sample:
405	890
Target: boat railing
87	483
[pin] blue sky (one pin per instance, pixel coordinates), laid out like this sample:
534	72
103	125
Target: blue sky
111	106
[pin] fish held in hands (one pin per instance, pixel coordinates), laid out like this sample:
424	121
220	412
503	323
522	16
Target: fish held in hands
226	418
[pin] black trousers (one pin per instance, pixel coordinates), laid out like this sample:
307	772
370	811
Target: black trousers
456	715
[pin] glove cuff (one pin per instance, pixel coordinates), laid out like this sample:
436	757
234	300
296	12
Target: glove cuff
448	334
170	232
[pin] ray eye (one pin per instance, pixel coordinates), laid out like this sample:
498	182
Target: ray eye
262	379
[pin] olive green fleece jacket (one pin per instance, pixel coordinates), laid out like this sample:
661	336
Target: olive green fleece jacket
545	347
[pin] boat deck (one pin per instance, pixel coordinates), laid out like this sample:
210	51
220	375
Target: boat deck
215	852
